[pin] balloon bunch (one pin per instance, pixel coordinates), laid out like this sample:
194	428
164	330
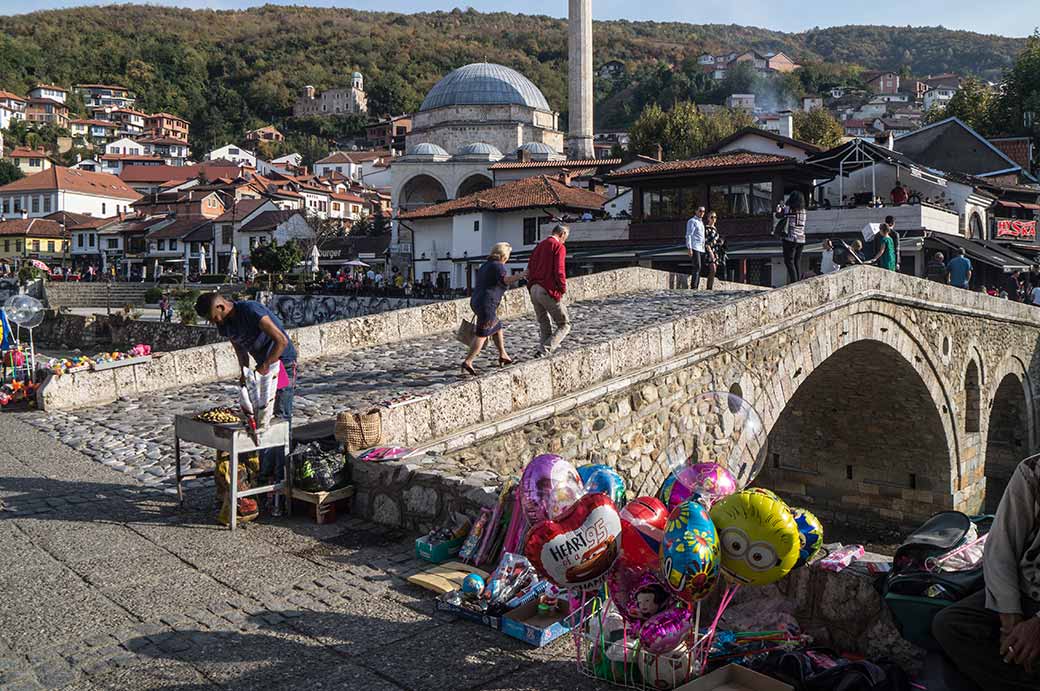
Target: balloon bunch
658	557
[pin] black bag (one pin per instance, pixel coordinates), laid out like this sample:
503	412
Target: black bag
318	470
862	675
780	229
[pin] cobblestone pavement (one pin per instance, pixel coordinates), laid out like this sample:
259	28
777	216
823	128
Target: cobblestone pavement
134	435
107	584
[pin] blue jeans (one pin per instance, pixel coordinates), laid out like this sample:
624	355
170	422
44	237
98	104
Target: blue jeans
272	461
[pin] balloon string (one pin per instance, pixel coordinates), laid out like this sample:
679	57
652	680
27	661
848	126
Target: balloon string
727	596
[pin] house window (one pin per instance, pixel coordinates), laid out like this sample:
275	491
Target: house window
730	201
35	204
226	235
102	208
47	204
35	163
530	231
233	151
173	245
17	204
17	245
7	245
335	206
50	245
476	226
79	239
6	206
162	245
91	239
36	245
113	243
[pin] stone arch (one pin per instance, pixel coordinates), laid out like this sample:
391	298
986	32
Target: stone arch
972	398
421	190
474	183
913	494
1007	437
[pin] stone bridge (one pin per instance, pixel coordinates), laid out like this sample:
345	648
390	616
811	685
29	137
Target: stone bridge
885	397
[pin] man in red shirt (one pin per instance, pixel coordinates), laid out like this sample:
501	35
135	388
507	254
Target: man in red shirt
547	279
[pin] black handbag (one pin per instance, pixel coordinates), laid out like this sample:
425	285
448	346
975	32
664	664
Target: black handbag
780	229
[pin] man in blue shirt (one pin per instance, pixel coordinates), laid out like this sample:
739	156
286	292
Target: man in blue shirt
256	331
959	270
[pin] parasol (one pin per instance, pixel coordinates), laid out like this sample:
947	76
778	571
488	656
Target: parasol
315	256
202	260
233	262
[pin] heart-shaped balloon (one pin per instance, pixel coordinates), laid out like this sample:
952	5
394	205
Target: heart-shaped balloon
578	548
643	522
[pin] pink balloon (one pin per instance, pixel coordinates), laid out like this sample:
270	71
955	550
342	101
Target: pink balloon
665	631
648	597
548	486
709	482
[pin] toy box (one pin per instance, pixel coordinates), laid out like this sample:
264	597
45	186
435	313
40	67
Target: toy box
469	615
539	629
437	553
735	678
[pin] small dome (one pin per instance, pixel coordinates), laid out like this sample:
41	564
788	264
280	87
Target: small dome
427	151
538	151
483	83
478	151
357	74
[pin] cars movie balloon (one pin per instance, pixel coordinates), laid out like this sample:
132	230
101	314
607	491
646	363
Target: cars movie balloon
690	552
666	630
642	527
708	482
604	480
543	486
758	537
578	548
810	536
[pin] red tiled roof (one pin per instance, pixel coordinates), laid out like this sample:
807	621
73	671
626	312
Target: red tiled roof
347	197
83	222
540	191
163	173
92	121
23	152
35	227
268	220
569	163
8	95
129	157
73	180
168	116
100	86
160	141
50	101
335	157
181	227
732	159
50	86
243	208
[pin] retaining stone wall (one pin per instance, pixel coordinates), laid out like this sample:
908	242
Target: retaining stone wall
621	402
307	310
68	331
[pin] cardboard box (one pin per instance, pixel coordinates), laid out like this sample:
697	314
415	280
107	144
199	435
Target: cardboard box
526	624
735	678
445	577
437	553
469	615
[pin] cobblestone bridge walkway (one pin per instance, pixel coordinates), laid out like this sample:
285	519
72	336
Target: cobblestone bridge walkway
134	435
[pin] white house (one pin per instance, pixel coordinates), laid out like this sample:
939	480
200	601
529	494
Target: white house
235	154
66	189
125	147
271	226
761	141
938	96
172	151
54	93
12	107
452	239
337	162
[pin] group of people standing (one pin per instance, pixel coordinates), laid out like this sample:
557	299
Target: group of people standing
706	248
546	281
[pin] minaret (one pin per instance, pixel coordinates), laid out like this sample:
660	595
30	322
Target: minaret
579	45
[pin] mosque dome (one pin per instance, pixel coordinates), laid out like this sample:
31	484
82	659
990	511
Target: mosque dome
538	151
483	83
478	151
427	151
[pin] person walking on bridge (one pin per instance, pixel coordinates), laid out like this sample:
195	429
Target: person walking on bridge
695	237
492	280
547	277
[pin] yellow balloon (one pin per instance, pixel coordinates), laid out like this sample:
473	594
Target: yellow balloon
758	536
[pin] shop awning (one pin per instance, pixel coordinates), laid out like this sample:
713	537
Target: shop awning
985	251
1008	204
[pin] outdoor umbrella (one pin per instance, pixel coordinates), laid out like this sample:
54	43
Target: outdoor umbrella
155	270
356	262
870	230
232	268
315	255
202	260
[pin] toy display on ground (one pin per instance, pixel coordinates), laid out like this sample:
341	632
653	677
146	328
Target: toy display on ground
643	585
59	366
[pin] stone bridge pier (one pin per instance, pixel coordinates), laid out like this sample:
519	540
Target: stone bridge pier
885	397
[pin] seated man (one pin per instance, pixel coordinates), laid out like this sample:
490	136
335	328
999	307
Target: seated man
993	636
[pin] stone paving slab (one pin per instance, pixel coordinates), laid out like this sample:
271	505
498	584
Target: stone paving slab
282	604
134	435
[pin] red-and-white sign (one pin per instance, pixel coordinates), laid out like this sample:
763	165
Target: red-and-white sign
1016	228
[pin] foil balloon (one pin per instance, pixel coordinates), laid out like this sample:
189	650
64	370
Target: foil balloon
577	549
668	670
666	630
642	527
690	552
604	480
707	482
810	536
548	486
765	492
758	536
673	492
648	597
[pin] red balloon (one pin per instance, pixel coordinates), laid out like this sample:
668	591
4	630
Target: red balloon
579	547
643	521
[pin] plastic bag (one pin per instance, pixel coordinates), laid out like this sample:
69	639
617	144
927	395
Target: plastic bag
257	395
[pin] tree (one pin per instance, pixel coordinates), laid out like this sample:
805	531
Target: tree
1017	109
683	132
818	127
276	259
972	103
9	172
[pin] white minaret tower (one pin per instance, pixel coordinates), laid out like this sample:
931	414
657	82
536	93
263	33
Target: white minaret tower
579	44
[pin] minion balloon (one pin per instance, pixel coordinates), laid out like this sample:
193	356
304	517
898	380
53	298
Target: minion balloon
758	536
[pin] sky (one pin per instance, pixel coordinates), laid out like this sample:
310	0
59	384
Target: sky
1003	17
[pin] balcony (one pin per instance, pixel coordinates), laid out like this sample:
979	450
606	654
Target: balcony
907	218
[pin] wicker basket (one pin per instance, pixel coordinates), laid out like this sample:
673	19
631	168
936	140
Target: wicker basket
360	430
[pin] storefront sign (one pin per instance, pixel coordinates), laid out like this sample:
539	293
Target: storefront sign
1016	228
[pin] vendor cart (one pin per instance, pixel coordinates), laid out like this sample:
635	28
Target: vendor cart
233	439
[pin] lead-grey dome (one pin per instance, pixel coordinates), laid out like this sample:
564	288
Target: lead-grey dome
537	151
478	151
426	150
484	83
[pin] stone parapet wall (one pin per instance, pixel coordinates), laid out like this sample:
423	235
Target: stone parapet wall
308	310
218	361
70	331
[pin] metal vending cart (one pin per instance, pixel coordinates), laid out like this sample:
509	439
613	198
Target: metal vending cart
234	439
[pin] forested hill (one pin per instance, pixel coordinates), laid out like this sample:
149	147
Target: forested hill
230	70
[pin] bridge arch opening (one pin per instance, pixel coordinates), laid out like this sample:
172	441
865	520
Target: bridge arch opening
1007	440
972	398
422	190
861	437
474	183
